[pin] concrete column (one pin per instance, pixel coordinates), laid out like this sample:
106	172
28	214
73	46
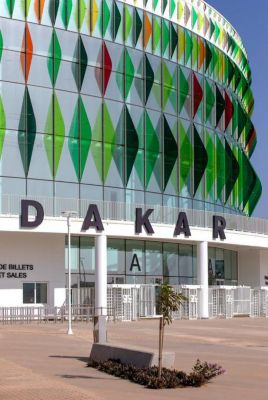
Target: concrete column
100	318
202	271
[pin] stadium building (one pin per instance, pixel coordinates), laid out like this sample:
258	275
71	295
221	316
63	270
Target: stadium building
137	116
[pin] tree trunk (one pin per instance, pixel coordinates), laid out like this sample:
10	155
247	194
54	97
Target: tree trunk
161	339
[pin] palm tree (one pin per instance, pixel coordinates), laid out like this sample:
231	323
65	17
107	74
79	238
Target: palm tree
169	302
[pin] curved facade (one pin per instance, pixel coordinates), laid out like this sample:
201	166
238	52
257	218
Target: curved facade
146	104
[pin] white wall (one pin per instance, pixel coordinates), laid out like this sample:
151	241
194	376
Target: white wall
45	252
249	267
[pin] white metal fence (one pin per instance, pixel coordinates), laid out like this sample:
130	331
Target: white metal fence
259	302
190	308
229	301
44	314
124	302
131	302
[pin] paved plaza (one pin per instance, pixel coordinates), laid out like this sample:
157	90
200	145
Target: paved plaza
41	362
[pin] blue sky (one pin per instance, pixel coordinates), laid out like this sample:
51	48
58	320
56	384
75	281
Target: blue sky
250	20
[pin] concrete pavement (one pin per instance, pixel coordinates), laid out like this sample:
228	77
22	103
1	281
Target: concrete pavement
39	361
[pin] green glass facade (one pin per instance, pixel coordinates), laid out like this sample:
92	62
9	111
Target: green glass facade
138	102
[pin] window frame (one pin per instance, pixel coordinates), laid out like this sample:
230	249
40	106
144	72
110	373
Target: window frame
35	293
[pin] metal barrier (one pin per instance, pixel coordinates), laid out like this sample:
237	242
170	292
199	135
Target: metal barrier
264	302
255	303
109	210
259	302
131	302
48	314
230	301
220	302
190	308
124	303
242	301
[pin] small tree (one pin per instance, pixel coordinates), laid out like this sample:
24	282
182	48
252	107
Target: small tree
169	302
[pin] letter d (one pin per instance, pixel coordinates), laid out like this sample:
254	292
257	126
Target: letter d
24	218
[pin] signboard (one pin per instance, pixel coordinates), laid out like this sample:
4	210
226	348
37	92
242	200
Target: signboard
142	221
17	271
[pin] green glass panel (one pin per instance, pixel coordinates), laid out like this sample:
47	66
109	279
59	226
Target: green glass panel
73	141
217	32
210	170
149	78
184	89
109	137
241	119
152	147
186	156
200	160
194	51
116	20
231	170
132	143
220	105
188	47
181	48
54	59
27	131
254	196
249	179
66	12
156	34
129	67
194	17
209	56
165	37
81	13
10	5
173	39
80	138
172	7
210	100
138	26
58	128
170	152
128	22
212	29
96	150
79	64
106	16
220	165
25	5
167	81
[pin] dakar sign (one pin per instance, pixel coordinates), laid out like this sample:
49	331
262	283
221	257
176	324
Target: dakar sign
93	220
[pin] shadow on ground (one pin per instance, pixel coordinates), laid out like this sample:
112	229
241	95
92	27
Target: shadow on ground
79	358
85	377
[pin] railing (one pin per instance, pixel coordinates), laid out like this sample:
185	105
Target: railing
124	303
50	314
131	302
118	211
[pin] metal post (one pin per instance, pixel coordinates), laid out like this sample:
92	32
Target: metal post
68	215
69	332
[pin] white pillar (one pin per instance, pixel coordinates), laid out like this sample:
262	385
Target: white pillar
100	332
202	272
